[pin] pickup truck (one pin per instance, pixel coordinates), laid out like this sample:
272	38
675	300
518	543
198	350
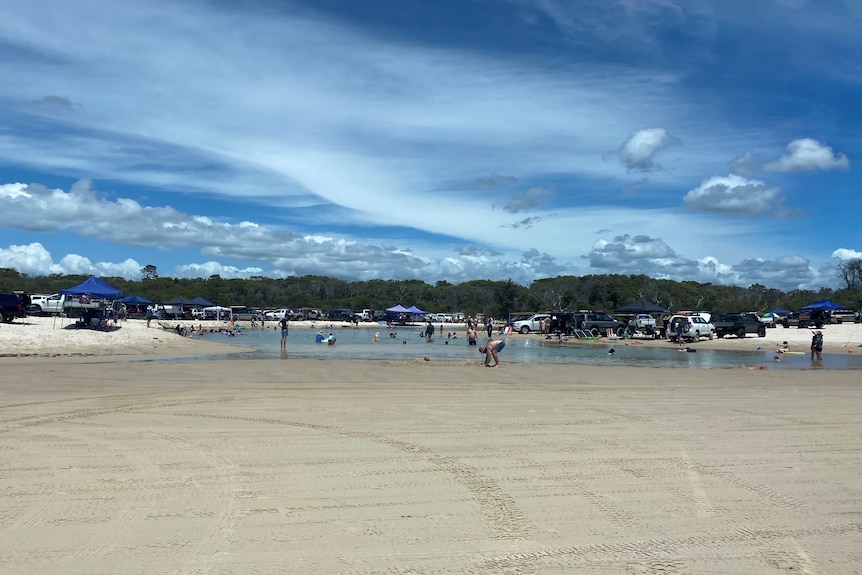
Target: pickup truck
44	304
739	324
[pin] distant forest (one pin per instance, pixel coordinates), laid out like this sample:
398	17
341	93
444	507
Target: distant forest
497	298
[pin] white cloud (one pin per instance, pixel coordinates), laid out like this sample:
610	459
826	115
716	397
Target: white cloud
207	269
808	155
745	165
639	255
34	259
846	254
784	273
638	152
737	196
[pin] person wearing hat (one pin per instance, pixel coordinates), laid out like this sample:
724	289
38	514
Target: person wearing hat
319	337
817	345
491	349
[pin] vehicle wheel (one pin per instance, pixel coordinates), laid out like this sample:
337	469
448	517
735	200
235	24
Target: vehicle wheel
741	333
711	335
525	329
595	332
762	332
2	317
696	336
621	332
37	309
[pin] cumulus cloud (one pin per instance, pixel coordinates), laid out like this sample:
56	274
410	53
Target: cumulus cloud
34	259
784	273
207	269
544	264
655	258
638	152
737	196
744	165
530	199
808	155
846	254
639	254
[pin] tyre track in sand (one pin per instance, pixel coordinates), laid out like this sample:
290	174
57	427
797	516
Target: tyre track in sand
503	517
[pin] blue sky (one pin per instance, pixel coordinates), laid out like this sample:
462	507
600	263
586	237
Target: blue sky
706	140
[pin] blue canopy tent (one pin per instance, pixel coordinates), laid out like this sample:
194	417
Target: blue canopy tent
202	302
777	311
398	309
79	299
135	300
823	305
416	310
93	287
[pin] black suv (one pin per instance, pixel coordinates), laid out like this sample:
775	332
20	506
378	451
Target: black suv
11	306
598	323
595	322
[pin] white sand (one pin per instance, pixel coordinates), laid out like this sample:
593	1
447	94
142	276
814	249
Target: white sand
56	336
361	468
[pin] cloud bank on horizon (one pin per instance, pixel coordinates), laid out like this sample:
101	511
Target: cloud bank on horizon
524	139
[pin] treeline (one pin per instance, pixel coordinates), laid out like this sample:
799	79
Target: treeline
497	298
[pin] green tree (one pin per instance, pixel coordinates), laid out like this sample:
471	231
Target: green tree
149	272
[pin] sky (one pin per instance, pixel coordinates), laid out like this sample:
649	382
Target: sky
705	140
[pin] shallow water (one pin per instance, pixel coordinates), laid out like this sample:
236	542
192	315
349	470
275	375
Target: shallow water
357	344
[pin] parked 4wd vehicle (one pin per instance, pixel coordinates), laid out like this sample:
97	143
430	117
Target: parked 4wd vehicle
11	306
598	323
246	313
340	315
805	319
694	327
525	326
842	316
739	324
45	304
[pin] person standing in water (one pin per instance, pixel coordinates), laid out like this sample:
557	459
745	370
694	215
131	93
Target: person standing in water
817	345
283	324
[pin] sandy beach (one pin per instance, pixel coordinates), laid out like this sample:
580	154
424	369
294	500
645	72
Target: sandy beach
111	463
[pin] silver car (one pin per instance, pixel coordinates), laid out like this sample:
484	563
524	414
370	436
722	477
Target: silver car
525	326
